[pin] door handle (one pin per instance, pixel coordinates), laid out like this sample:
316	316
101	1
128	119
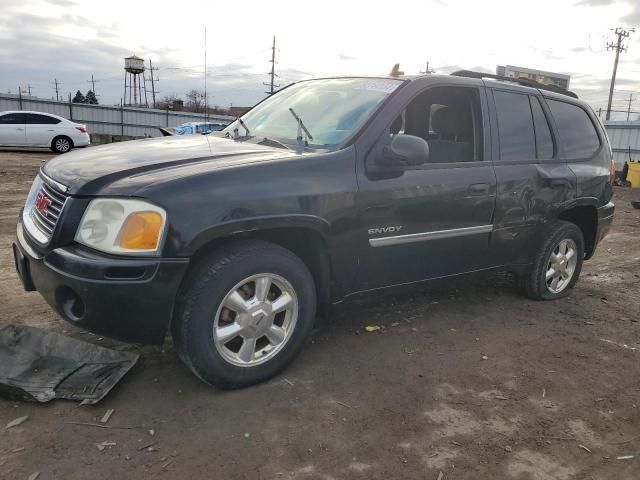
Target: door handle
19	129
478	189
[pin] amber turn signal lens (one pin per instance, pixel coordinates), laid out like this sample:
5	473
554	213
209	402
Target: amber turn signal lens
141	231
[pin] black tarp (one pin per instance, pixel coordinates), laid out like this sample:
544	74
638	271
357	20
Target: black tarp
39	365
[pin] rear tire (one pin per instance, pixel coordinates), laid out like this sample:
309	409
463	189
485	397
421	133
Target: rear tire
557	265
61	144
246	313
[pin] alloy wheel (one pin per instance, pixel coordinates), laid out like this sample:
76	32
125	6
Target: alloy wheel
255	319
63	145
561	265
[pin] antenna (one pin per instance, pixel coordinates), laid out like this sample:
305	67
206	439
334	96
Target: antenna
206	109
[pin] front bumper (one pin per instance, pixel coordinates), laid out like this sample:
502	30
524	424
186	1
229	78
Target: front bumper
129	299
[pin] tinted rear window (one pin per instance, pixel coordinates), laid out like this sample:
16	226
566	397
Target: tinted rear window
35	119
576	130
544	142
515	127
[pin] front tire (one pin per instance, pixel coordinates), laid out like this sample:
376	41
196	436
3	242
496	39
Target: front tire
246	314
61	144
557	265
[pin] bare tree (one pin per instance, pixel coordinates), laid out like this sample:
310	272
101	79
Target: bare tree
195	101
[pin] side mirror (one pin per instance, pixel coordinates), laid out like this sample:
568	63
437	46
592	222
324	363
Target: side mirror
405	151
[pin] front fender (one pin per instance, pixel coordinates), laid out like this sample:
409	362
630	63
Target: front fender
245	225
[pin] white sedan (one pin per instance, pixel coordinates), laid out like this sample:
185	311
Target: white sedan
38	129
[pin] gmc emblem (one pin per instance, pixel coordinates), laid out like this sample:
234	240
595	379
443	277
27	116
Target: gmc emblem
42	203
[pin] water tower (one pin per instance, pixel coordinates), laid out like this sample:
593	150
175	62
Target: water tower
133	70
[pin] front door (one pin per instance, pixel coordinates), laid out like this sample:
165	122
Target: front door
433	219
12	129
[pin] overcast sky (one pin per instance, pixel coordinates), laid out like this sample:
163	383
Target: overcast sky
70	40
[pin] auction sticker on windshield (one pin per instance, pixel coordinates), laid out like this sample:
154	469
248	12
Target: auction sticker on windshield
379	85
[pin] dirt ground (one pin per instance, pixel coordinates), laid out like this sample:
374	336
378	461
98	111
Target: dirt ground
466	378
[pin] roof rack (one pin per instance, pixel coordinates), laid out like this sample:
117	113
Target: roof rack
521	81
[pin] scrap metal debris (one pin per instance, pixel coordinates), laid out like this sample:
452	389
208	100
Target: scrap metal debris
105	418
38	365
584	448
16	422
101	446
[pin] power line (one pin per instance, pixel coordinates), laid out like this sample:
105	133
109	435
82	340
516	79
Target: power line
621	33
271	84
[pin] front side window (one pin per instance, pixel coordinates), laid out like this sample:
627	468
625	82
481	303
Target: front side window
576	130
515	127
449	119
12	119
331	110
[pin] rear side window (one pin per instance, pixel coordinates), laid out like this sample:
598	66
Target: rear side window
12	119
35	119
515	127
544	142
576	130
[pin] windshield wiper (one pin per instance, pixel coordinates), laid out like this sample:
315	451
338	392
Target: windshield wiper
273	140
301	126
236	136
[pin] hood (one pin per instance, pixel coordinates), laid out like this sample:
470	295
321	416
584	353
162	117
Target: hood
86	171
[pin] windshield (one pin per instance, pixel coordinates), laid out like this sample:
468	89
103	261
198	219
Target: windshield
331	109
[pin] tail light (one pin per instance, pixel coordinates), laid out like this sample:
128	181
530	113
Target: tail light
612	172
82	128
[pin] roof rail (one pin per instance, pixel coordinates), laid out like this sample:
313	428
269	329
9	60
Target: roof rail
521	81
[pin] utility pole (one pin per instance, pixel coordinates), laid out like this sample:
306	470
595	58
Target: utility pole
93	84
271	84
153	80
427	70
621	33
56	83
629	109
29	88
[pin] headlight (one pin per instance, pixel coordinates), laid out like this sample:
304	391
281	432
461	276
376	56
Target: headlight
122	226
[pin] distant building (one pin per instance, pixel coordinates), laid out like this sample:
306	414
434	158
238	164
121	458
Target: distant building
238	111
625	140
547	78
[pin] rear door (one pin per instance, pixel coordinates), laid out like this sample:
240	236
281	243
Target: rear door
12	129
434	219
41	129
534	182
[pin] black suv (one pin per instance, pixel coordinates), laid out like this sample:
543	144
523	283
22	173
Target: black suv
233	241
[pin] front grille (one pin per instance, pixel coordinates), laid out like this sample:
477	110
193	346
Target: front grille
45	203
